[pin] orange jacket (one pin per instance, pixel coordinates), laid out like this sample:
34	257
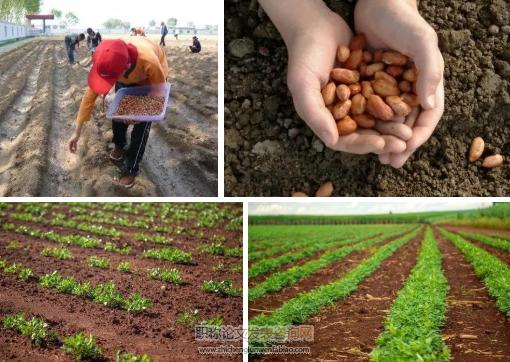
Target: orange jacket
151	68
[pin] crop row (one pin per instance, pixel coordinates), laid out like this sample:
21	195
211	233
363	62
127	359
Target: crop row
494	273
102	293
268	265
495	242
280	280
306	304
77	240
412	329
79	345
206	216
61	220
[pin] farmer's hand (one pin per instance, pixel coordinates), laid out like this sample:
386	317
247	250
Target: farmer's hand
396	24
73	143
312	33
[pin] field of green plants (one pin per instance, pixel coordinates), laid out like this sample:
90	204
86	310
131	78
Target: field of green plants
117	281
379	292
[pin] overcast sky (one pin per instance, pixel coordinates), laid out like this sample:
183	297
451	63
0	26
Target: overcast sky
362	207
93	13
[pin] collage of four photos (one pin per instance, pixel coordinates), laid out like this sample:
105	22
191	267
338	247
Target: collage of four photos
255	180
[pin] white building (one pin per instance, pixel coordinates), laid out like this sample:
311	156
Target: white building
9	31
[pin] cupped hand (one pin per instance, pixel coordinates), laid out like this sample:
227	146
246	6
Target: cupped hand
312	55
397	25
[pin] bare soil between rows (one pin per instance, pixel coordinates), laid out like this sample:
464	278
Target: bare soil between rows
475	329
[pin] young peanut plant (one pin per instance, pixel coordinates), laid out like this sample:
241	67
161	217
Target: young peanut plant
170	276
98	262
34	328
224	288
61	253
82	347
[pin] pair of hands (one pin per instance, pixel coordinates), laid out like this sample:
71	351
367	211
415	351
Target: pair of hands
393	24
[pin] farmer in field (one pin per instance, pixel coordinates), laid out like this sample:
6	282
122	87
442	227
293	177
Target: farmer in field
93	40
72	41
139	61
164	32
196	47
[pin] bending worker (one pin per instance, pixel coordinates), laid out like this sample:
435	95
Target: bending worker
115	62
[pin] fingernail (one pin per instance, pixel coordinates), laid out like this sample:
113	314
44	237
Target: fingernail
431	101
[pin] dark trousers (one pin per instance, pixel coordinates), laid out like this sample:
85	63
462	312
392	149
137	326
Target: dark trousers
70	52
162	41
139	137
194	49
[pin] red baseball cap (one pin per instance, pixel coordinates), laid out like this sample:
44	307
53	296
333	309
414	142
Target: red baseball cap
109	63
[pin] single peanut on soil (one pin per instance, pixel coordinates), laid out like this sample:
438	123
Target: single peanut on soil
367	86
492	161
476	150
326	190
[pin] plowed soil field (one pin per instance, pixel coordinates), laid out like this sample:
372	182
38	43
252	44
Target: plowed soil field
38	106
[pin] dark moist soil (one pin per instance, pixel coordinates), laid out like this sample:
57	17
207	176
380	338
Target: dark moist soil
269	151
471	312
154	332
347	331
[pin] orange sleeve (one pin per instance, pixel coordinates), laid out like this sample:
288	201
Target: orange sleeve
86	106
155	73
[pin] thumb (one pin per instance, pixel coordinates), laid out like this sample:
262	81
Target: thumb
430	66
307	97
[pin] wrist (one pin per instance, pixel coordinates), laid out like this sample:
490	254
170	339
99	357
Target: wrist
294	17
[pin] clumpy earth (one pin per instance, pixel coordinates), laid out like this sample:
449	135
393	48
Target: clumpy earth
270	151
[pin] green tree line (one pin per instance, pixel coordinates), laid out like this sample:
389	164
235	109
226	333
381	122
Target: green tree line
15	10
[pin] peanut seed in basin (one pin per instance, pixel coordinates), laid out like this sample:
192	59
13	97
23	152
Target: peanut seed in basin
364	120
476	149
492	161
385	88
326	190
354	59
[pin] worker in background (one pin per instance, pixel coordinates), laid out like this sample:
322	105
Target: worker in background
93	40
196	47
164	32
138	61
71	42
137	32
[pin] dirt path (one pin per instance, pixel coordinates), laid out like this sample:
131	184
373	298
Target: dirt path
59	177
475	329
347	331
19	126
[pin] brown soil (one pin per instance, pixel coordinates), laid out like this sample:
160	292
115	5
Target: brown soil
270	151
348	330
37	118
155	332
471	312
